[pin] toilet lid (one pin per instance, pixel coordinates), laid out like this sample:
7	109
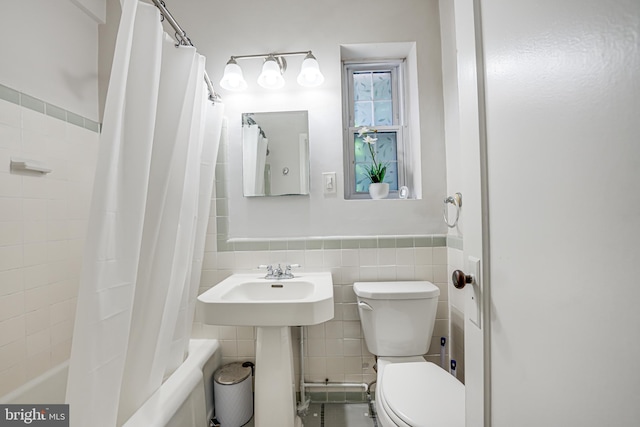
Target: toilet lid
396	290
422	394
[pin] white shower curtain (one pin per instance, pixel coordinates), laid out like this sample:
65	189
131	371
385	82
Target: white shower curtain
147	224
254	158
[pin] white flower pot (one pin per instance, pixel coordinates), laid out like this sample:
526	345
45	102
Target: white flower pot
378	190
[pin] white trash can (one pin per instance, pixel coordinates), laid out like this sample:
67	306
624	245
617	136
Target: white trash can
233	395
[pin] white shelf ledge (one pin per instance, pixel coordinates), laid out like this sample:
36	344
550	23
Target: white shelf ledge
29	165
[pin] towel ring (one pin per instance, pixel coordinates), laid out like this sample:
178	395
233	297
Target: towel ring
455	200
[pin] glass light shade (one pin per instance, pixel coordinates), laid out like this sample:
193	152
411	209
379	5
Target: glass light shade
310	74
271	76
232	78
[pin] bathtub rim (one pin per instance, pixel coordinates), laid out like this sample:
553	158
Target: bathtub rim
17	396
176	389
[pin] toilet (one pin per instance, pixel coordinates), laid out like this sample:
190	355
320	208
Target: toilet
397	320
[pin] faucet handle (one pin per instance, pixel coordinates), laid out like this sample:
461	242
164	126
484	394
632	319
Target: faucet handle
269	267
287	272
271	274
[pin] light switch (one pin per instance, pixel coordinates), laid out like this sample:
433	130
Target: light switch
329	182
475	292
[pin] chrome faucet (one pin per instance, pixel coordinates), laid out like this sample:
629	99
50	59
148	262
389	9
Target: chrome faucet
276	273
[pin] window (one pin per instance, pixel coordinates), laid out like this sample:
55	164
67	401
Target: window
373	98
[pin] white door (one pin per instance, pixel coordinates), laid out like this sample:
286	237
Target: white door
562	96
471	139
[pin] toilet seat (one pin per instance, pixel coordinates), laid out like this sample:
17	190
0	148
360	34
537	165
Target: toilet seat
421	394
387	417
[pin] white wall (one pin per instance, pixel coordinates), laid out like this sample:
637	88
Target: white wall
562	87
96	9
222	29
106	44
49	51
451	108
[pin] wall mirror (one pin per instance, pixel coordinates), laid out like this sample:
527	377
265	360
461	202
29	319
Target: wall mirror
275	153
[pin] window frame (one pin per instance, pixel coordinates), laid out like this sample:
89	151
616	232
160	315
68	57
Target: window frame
397	69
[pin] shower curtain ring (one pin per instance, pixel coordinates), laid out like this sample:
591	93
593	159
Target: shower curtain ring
161	14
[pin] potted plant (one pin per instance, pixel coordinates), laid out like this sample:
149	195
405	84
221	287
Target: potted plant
377	170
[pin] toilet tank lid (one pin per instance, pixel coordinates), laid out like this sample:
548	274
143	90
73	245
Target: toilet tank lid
396	290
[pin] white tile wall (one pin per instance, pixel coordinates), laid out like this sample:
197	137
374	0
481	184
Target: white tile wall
42	228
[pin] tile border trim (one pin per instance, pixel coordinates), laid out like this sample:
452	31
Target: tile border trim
339	242
16	97
331	242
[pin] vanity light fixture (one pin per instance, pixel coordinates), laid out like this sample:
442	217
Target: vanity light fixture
271	75
232	78
273	69
310	74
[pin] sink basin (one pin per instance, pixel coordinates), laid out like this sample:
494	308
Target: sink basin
265	291
251	300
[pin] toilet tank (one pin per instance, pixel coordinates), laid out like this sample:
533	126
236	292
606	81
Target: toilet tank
397	317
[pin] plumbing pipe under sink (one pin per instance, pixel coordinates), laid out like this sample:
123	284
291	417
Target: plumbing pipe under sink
303	405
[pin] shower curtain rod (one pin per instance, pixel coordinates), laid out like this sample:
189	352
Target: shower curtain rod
185	41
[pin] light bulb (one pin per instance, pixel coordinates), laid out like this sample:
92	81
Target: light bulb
271	75
310	74
232	78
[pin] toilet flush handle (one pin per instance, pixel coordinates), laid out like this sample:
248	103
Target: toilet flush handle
460	279
363	305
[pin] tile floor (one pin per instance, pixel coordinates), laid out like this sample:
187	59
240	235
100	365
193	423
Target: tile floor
337	415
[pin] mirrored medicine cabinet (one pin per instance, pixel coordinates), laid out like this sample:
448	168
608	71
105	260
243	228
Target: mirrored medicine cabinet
275	153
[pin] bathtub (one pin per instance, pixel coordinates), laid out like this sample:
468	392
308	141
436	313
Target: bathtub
185	399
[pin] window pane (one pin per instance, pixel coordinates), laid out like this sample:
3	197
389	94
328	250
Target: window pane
362	153
391	176
362	182
383	113
373	105
386	147
381	85
362	86
363	115
386	151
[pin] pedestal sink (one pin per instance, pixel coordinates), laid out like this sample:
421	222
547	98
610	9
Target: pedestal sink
272	306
